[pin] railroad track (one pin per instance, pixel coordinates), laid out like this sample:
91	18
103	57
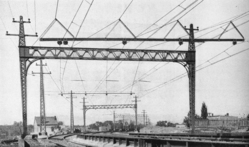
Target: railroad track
142	140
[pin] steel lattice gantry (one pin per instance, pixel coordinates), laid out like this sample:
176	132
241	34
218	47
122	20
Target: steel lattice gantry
87	107
30	54
121	106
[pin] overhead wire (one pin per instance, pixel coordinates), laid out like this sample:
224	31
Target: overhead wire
163	26
224	22
48	69
127	86
74	17
150	36
10	9
134	77
76	36
56	8
191	9
35	13
160	18
84	19
102	29
198	69
154	33
27	8
125	10
169	21
64	68
6	30
80	75
12	14
183	75
148	73
99	84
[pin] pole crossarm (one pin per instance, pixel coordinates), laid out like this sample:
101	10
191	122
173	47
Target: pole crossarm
87	107
106	54
142	39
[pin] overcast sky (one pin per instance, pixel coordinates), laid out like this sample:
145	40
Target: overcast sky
222	85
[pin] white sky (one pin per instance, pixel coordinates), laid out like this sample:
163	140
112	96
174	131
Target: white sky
222	86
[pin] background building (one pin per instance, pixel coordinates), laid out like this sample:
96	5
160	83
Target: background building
51	125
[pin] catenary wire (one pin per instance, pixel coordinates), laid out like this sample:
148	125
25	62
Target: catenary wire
185	74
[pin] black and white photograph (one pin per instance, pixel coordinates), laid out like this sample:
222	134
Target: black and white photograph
130	73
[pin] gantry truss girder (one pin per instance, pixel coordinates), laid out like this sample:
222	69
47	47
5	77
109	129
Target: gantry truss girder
105	54
123	106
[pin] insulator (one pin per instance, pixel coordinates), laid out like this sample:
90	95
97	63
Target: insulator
59	42
65	42
234	42
124	42
180	42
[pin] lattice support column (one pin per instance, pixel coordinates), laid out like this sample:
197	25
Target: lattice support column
23	72
42	102
191	75
24	65
23	76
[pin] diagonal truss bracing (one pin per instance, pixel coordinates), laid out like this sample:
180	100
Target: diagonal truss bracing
105	54
87	107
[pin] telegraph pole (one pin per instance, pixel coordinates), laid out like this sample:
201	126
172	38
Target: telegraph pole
84	114
144	116
113	120
42	100
123	121
24	64
136	112
146	119
71	111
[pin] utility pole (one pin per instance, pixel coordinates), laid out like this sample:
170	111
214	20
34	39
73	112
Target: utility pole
136	111
84	114
144	116
42	100
71	112
123	121
146	119
24	65
113	120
